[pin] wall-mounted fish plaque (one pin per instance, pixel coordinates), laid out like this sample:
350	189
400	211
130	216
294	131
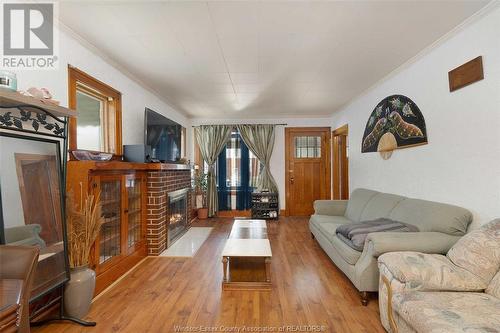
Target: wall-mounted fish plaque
395	123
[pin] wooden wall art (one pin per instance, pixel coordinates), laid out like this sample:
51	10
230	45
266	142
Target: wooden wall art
395	123
468	73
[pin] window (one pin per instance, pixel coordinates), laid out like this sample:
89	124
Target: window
98	125
308	147
237	172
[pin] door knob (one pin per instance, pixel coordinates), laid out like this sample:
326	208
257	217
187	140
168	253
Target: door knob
291	180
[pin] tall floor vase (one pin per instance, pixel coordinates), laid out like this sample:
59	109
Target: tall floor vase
79	291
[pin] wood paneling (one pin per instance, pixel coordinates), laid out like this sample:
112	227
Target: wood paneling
307	289
468	73
307	179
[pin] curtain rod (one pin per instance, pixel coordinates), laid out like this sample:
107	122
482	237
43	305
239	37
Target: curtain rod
239	124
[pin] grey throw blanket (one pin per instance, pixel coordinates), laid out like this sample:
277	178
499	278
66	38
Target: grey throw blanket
354	234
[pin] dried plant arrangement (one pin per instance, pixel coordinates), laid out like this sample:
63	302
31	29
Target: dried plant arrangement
83	224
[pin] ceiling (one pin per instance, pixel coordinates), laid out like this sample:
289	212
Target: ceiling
258	59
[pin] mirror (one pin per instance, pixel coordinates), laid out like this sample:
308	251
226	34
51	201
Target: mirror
31	211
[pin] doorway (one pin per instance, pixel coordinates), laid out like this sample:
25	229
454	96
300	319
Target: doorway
340	168
307	163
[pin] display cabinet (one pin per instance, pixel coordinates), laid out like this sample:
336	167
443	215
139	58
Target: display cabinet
122	198
121	243
108	246
135	202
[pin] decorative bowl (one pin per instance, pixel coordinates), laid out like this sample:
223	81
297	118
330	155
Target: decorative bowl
85	155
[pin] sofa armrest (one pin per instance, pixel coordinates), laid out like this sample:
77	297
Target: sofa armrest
330	207
425	242
24	235
426	272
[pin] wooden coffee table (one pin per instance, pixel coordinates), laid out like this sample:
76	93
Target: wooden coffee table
246	257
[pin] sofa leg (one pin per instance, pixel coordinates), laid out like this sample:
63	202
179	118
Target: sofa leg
312	236
364	298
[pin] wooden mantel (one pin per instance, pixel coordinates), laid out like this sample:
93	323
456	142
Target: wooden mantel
78	168
119	165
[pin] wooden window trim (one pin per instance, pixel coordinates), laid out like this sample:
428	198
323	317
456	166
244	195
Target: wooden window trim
79	79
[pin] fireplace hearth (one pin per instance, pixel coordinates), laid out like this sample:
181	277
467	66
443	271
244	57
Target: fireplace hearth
177	215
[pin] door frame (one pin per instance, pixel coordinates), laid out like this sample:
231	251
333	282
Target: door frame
340	182
328	171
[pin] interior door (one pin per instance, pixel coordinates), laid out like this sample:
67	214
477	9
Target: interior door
307	155
340	163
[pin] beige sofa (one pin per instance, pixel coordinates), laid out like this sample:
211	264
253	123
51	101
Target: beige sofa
440	226
459	292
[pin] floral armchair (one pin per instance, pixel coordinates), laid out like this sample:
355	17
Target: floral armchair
458	292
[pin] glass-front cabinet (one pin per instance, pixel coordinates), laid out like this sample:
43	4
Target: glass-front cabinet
109	246
135	202
122	198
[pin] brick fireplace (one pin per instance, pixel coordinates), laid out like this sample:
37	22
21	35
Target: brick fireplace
160	184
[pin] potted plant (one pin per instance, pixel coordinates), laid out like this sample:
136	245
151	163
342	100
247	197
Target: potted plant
83	226
200	183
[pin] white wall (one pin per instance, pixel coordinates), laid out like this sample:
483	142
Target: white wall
135	97
278	157
460	165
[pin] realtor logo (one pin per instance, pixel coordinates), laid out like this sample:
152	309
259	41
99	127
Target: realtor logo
28	36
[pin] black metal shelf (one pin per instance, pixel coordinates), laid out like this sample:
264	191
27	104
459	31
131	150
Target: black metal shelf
265	205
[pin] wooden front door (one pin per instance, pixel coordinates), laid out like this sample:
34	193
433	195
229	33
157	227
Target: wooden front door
307	155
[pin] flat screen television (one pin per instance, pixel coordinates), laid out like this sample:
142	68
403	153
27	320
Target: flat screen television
163	137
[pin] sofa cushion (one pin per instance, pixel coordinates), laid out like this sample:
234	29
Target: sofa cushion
349	254
318	219
357	202
432	216
429	272
448	311
494	286
380	205
328	224
479	251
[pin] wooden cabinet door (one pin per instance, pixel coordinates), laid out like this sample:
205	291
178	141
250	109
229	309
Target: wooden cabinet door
135	189
109	245
307	168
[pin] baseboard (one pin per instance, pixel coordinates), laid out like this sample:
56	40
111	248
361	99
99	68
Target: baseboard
234	213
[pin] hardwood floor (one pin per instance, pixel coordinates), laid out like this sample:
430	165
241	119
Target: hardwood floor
162	293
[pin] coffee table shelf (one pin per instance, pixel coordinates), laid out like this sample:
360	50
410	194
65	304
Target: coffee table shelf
246	257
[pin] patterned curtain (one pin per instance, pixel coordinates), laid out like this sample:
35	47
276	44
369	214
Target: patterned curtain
212	139
260	140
